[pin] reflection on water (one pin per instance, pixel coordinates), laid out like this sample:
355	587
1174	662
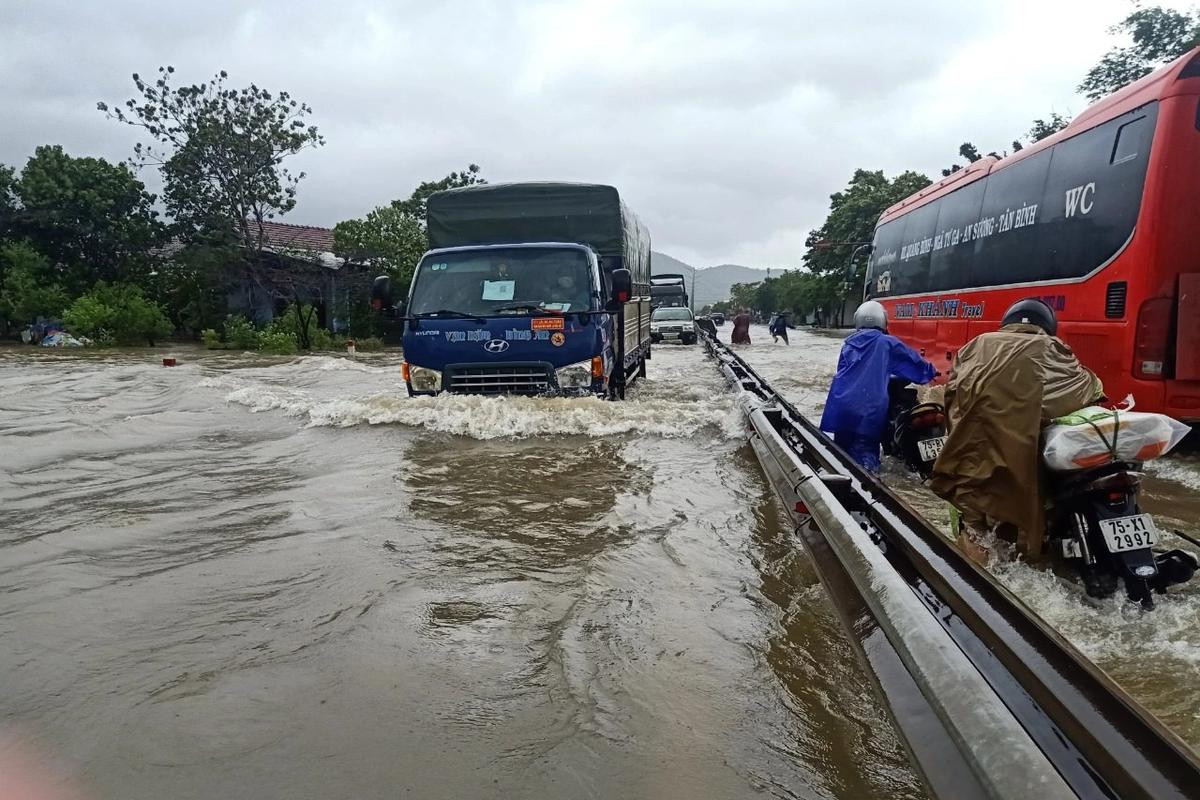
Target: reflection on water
1156	657
818	669
259	577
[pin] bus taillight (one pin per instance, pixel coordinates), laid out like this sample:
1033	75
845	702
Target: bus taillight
1152	339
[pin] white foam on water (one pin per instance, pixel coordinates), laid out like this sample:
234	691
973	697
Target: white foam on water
336	364
499	417
1113	631
1180	469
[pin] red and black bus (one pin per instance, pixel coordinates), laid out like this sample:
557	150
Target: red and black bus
1101	220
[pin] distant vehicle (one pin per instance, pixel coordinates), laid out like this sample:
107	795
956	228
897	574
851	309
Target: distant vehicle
672	324
529	288
1098	220
717	318
668	289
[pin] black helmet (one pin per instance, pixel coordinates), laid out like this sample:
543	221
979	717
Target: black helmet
1032	312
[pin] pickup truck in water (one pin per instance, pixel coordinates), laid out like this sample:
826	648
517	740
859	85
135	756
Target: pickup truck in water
528	288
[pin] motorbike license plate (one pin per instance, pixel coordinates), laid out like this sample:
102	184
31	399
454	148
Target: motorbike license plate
1129	533
929	448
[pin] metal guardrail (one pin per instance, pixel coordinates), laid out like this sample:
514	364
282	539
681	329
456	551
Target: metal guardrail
990	701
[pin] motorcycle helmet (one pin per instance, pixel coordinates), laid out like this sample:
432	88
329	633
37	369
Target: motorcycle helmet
871	315
1032	312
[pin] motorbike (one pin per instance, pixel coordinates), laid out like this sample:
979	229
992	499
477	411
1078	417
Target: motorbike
1096	526
915	432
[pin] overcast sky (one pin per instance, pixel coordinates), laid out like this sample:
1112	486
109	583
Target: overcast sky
726	125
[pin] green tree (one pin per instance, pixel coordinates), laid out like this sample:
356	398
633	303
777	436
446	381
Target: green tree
853	214
190	286
221	152
1043	128
117	313
28	289
387	238
1157	35
93	220
8	198
392	237
414	206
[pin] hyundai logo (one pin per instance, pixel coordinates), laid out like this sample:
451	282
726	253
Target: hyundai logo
495	345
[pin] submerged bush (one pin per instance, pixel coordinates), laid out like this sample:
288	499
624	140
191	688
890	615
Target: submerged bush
279	342
369	344
117	313
241	334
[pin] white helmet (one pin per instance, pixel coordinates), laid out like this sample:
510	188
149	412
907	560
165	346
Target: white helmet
871	315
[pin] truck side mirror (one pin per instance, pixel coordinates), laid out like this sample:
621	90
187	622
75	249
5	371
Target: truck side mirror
622	286
381	293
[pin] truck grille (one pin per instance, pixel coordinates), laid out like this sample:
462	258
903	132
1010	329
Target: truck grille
500	379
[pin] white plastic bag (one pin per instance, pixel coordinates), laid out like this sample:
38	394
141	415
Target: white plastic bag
1094	436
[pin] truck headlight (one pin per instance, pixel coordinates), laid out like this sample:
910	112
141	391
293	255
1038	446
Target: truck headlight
575	376
424	379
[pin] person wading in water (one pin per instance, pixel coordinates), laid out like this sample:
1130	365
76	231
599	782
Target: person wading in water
741	328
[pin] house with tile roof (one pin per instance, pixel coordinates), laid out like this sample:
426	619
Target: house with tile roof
295	264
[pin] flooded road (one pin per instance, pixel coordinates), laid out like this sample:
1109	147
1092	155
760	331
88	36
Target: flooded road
1155	656
255	577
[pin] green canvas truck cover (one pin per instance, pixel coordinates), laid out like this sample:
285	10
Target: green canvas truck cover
512	213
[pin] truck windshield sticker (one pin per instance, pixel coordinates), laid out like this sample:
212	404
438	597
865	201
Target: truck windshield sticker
498	290
560	307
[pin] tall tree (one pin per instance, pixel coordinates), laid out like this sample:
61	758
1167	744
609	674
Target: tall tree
1157	35
221	151
28	286
853	213
8	198
92	219
414	206
392	237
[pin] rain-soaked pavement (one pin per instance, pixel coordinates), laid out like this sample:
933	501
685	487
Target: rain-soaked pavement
257	577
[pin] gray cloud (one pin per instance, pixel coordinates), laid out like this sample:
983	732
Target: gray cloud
727	125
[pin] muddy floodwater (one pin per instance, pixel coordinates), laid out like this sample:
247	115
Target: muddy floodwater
282	578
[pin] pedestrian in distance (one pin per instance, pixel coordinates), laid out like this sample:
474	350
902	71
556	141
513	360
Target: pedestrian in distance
1004	388
741	328
856	408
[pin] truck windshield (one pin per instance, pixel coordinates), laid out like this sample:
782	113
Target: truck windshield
503	281
671	313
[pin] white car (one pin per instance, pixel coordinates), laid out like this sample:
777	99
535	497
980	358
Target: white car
672	324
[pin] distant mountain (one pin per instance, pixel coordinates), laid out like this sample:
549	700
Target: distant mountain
712	283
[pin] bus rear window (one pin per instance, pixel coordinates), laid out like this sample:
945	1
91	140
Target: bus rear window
1129	141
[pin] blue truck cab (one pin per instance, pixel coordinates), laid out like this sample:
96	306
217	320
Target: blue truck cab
529	288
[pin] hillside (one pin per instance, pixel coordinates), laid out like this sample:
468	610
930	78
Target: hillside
712	283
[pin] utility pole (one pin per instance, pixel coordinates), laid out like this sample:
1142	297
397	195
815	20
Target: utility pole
692	296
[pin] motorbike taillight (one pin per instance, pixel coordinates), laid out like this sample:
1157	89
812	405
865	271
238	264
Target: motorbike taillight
927	420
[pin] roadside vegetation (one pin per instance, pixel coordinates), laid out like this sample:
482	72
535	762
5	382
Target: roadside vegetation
85	245
820	286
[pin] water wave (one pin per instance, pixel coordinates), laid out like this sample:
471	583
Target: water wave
500	417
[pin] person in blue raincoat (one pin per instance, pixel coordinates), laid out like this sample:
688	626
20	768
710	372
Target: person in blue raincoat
856	409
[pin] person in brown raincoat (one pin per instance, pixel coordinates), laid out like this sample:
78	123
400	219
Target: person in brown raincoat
741	328
1004	388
